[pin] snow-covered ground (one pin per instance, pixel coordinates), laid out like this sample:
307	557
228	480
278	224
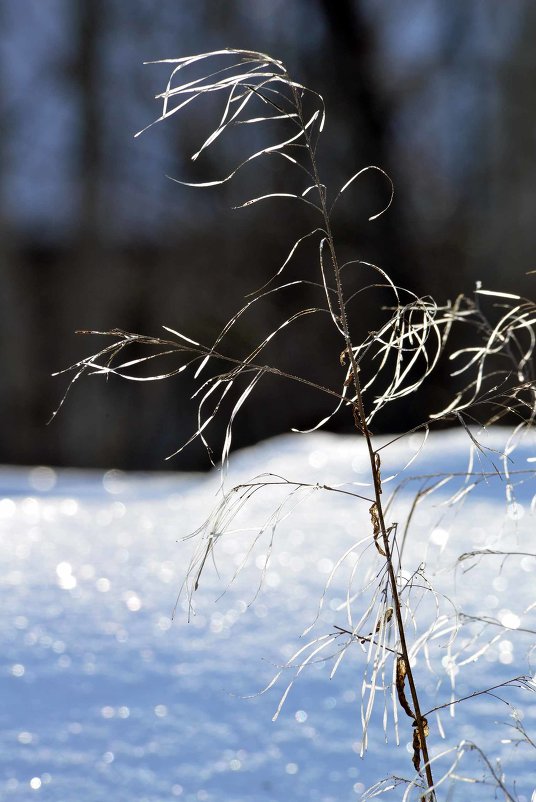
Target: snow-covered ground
105	697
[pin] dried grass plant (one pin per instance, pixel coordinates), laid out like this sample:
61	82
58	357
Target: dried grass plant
382	608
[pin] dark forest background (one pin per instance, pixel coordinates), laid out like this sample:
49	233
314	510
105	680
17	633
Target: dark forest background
93	235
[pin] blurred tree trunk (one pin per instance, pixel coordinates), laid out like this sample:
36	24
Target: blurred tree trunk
89	24
509	255
16	342
80	276
361	101
353	54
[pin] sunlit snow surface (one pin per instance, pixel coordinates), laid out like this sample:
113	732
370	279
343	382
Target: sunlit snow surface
104	697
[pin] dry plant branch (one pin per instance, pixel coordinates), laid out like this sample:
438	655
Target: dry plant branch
391	362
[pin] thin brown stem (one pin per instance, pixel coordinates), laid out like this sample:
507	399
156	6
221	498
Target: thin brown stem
362	426
366	639
203	351
509	683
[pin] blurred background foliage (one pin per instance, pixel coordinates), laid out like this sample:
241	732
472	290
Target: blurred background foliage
93	235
